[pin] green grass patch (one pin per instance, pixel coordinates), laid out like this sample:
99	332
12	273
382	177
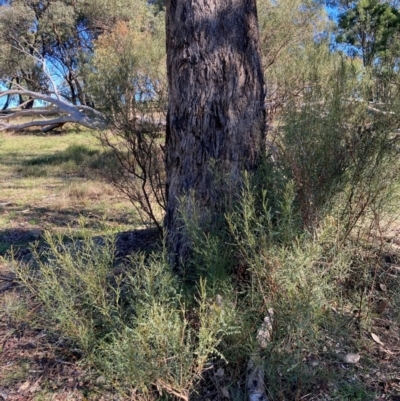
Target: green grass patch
50	182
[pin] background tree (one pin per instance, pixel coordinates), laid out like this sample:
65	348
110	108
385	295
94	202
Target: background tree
290	31
367	26
59	32
127	81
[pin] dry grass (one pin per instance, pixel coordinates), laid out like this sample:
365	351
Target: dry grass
34	365
50	181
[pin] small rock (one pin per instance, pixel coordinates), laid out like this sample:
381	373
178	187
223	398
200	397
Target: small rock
351	358
383	287
101	380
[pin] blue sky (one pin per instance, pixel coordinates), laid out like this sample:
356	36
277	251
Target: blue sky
332	12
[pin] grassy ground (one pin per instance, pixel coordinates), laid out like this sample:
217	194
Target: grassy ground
52	182
55	182
48	182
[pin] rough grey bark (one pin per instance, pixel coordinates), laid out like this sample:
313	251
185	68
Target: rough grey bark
216	115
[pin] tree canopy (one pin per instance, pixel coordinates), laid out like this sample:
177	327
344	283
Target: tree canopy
60	33
368	26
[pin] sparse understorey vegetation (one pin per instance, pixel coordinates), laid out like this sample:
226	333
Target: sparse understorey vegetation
291	293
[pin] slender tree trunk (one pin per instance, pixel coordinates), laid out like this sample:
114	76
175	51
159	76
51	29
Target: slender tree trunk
29	104
7	103
20	99
216	114
72	89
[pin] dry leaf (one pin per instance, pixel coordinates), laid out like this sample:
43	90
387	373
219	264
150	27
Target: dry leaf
383	287
351	358
376	339
24	386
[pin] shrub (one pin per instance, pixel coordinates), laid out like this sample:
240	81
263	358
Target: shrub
310	282
131	323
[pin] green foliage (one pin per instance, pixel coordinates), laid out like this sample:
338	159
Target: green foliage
297	279
71	282
353	392
58	33
331	143
128	84
368	25
131	325
158	4
128	67
288	29
162	348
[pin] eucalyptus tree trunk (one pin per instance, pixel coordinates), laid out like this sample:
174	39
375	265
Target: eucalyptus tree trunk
216	115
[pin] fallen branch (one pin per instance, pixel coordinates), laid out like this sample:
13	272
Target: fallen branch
10	113
255	379
66	111
376	110
69	113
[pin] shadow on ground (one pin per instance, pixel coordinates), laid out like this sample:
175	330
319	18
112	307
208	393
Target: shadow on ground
63	218
127	242
79	159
